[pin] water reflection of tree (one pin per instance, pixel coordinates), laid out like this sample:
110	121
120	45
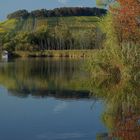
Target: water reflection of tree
60	78
122	107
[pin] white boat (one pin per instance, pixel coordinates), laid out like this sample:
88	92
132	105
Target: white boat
4	55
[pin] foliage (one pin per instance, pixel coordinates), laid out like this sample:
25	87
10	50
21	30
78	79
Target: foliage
58	12
63	33
126	20
121	45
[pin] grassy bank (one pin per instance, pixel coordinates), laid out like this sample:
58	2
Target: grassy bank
56	53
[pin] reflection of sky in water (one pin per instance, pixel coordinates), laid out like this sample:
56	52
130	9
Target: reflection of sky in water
61	136
48	118
60	107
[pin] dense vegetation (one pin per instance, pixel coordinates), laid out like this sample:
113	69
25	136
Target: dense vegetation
50	34
122	40
58	29
115	76
58	12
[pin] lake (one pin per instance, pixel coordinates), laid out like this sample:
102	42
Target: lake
44	99
56	99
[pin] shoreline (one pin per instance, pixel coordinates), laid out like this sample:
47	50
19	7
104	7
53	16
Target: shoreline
55	53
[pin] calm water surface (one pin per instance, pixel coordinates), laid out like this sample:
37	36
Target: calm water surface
45	99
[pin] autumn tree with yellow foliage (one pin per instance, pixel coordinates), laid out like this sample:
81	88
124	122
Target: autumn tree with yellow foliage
121	28
126	18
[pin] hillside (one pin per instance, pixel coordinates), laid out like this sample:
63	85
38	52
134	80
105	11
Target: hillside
58	29
59	33
32	24
73	17
8	25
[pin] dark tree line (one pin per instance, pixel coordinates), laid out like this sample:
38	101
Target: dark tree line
58	12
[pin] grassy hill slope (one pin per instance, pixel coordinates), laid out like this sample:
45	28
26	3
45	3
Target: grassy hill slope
8	25
32	24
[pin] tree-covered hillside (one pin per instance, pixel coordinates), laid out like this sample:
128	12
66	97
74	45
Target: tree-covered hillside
32	24
76	28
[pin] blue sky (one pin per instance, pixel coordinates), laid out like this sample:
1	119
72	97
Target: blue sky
7	6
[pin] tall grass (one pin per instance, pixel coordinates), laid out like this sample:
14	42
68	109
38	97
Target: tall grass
115	58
